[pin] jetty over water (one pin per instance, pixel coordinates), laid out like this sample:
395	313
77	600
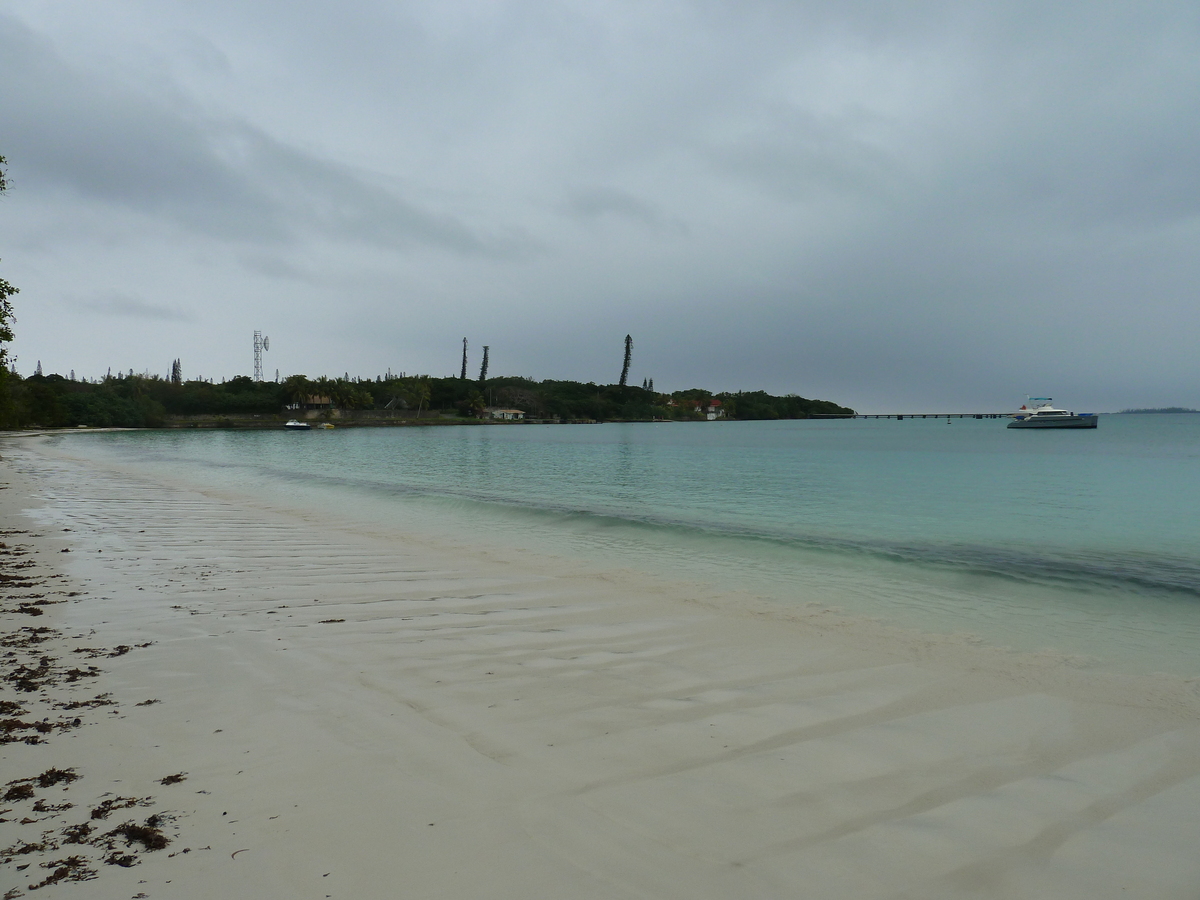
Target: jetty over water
985	415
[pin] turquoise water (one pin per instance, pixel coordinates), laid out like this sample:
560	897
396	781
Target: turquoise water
1084	541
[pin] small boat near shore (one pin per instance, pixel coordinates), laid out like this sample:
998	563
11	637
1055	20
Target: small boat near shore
296	425
1039	413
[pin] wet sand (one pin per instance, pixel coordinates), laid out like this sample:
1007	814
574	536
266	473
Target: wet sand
356	714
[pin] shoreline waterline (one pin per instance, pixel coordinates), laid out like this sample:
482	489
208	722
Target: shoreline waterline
1093	555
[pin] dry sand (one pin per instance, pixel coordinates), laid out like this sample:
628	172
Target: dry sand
361	715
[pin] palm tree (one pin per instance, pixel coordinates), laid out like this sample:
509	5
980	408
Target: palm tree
476	402
418	391
324	388
297	387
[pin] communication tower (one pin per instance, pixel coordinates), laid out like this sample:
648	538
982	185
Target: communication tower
260	344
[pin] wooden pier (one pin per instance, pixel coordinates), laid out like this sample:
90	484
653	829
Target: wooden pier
987	415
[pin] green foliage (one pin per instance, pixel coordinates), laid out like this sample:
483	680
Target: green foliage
761	405
241	395
149	401
9	417
6	291
6	317
53	401
137	401
8	409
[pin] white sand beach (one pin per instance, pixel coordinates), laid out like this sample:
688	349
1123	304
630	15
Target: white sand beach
359	714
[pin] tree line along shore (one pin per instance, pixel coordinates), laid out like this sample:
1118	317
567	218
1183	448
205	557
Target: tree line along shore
150	401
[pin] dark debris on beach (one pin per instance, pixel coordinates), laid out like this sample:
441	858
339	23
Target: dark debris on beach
62	838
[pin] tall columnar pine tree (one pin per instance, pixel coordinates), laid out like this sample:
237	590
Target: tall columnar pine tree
628	360
7	408
463	376
6	320
6	291
483	368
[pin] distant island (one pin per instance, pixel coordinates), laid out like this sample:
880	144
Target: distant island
1162	409
151	401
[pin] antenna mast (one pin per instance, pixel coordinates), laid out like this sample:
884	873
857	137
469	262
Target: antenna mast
260	344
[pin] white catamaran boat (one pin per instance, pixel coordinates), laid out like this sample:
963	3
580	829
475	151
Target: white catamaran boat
1038	413
296	425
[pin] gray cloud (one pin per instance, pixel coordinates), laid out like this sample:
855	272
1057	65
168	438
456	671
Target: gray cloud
887	203
218	176
131	307
793	154
600	202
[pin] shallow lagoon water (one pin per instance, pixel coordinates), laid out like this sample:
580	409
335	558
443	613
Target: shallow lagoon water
1087	542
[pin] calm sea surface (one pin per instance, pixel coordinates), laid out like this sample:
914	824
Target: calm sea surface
1083	541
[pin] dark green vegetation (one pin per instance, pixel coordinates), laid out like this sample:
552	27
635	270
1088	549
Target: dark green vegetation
6	332
130	400
628	360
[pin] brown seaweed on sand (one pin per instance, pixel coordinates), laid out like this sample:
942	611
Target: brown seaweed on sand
148	835
51	777
20	791
73	868
30	667
106	808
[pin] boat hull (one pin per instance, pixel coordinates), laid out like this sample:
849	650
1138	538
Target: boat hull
1057	422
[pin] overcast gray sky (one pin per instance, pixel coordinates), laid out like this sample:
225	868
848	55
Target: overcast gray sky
894	205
